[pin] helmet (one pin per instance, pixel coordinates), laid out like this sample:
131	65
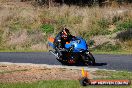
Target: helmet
65	33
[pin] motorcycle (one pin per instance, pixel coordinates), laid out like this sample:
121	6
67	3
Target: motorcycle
76	51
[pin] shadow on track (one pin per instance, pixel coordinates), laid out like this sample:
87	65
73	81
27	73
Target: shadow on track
82	64
100	64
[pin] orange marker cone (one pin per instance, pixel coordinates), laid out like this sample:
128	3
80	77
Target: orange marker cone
84	73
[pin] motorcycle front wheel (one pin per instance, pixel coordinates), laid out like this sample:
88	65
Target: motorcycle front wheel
91	58
88	59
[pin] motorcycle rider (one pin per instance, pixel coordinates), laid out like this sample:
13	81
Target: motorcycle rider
60	40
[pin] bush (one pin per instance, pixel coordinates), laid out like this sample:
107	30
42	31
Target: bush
125	35
47	28
116	19
127	45
124	25
99	27
103	23
94	31
108	47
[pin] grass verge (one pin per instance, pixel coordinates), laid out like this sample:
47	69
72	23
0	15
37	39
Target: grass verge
23	50
73	83
94	52
113	52
104	74
55	84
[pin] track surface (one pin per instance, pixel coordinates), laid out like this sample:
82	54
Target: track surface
111	62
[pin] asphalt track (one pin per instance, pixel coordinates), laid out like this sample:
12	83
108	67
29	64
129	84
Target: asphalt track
110	62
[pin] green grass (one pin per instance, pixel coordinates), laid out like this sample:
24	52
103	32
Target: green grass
73	83
54	84
118	52
113	74
47	28
124	25
44	84
23	50
3	72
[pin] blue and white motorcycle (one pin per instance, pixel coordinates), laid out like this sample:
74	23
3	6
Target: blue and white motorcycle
75	52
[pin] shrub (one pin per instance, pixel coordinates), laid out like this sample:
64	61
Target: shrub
127	45
125	35
108	47
99	31
47	28
103	23
99	27
124	25
116	19
94	31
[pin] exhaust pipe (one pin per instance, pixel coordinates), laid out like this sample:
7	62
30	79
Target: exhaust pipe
53	53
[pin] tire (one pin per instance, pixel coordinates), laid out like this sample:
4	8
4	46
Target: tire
88	59
91	58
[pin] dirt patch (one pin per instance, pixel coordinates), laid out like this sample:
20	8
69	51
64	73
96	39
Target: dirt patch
39	46
17	73
18	38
